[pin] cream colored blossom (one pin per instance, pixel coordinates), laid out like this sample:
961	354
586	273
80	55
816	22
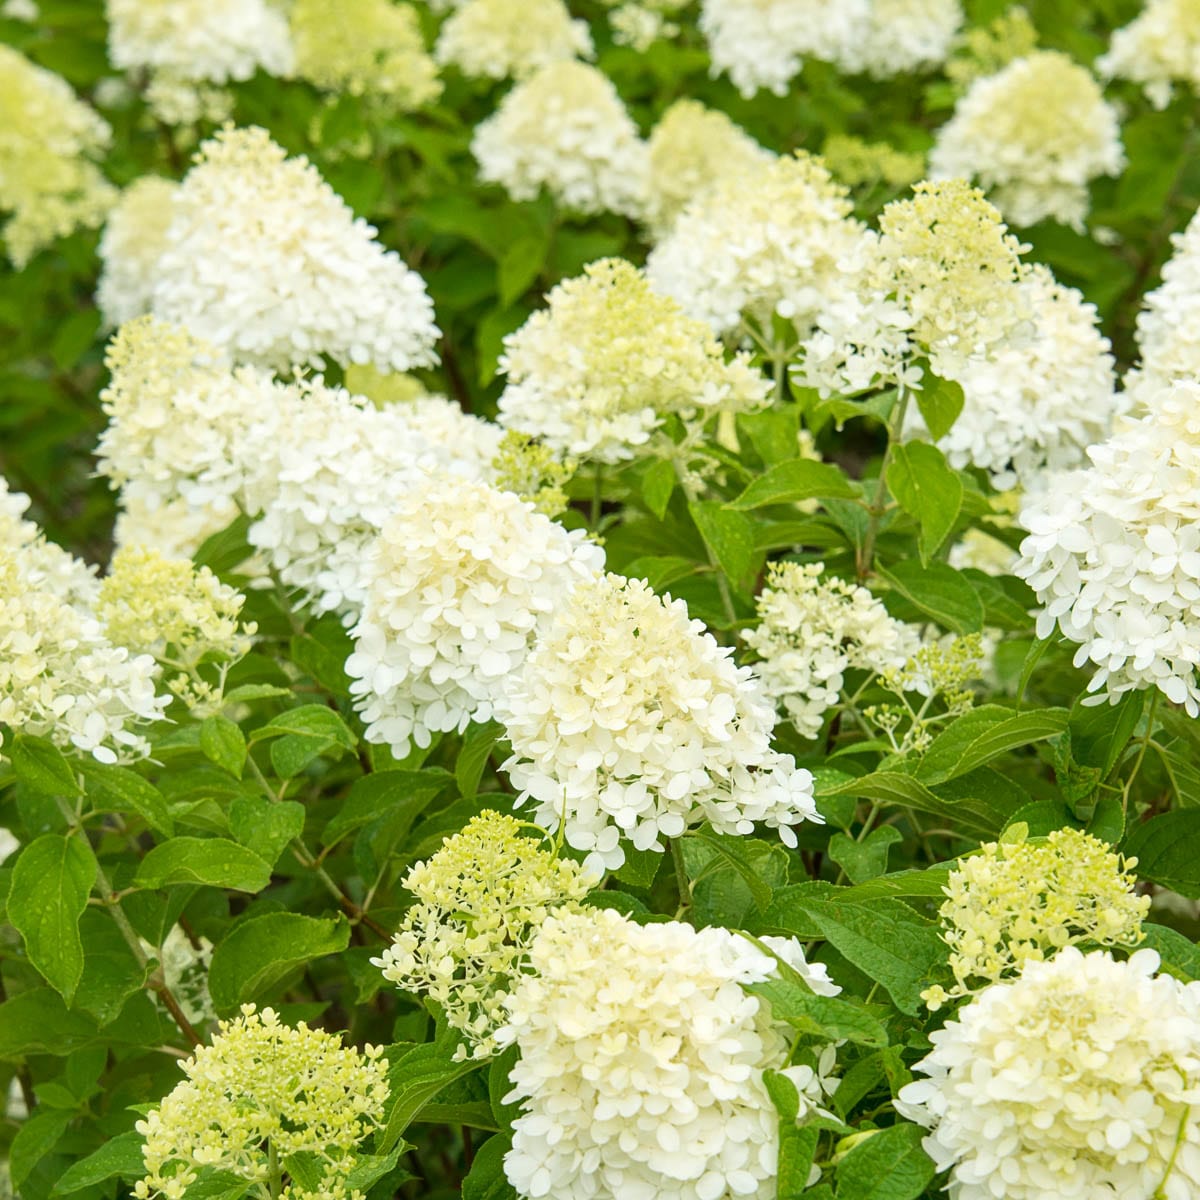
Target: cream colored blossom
985	49
481	900
598	371
901	36
366	48
692	147
640	23
1158	49
641	1061
758	244
811	631
170	526
49	143
500	39
566	130
1079	1079
45	565
628	721
458	582
265	260
184	964
263	1084
1034	136
1021	901
134	238
529	469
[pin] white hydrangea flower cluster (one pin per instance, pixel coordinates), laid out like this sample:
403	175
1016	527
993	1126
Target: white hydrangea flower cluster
500	39
60	676
1168	327
761	243
1158	49
185	967
481	900
172	526
763	43
565	129
134	238
49	141
1034	136
690	148
640	23
629	721
811	631
187	46
43	563
371	48
458	582
262	1092
596	372
1113	553
1034	403
264	259
1077	1079
641	1062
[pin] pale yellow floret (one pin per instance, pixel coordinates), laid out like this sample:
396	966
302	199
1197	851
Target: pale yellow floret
529	469
1021	901
260	1093
984	49
481	900
501	39
858	163
366	48
49	183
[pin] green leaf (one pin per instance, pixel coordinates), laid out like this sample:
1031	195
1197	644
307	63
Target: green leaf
888	1165
640	867
795	480
1180	955
36	1137
824	1017
371	1168
120	1157
37	1022
939	591
257	953
486	1179
657	485
797	1149
928	489
415	1079
886	940
406	794
972	813
1167	848
477	745
322	652
118	789
51	883
265	826
866	859
918	884
222	742
41	766
215	862
519	267
729	535
731	850
111	974
985	733
1100	732
940	402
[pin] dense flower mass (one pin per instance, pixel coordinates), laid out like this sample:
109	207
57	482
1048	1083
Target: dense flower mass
767	241
1034	136
263	1084
481	900
1020	901
898	36
1077	1079
49	143
1036	401
186	47
634	359
690	148
43	563
811	631
458	582
264	259
629	721
565	130
496	39
643	1077
366	48
1158	49
134	238
1113	553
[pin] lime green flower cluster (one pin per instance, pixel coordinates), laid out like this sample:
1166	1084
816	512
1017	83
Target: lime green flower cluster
481	900
862	164
261	1093
48	141
1020	901
180	614
985	49
367	48
526	467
